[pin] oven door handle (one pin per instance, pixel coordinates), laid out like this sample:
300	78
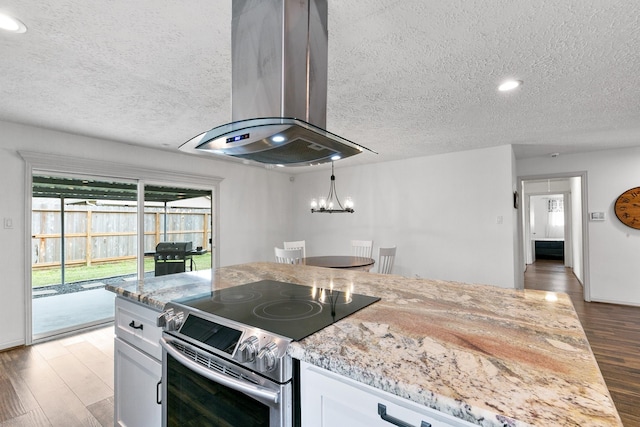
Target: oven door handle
252	390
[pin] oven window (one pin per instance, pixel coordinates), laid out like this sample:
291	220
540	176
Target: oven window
193	400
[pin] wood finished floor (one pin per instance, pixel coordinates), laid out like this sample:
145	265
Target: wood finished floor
66	382
69	382
612	330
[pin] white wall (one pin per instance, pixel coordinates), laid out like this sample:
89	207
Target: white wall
613	248
440	211
255	205
516	226
576	228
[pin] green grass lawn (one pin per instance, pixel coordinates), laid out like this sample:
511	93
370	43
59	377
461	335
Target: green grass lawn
51	276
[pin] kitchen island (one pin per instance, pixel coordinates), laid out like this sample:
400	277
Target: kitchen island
491	356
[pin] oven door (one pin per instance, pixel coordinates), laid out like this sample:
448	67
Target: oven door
203	389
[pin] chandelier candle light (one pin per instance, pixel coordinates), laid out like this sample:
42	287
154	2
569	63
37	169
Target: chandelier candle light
331	203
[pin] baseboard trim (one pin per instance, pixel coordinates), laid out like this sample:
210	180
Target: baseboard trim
607	301
11	345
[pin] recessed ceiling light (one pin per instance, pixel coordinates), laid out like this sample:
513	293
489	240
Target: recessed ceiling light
509	85
9	23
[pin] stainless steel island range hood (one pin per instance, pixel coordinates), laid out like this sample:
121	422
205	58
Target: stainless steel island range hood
279	88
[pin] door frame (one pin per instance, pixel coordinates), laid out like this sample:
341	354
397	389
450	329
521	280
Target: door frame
585	222
60	165
568	237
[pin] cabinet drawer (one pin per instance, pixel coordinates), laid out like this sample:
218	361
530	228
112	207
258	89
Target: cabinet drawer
136	325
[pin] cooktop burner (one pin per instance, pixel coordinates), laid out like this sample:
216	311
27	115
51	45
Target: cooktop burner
290	310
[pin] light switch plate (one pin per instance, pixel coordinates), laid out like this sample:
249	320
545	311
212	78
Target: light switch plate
596	216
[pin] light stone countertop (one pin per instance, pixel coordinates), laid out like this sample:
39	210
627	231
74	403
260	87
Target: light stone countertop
482	353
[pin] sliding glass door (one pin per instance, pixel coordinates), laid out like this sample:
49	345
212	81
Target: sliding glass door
85	235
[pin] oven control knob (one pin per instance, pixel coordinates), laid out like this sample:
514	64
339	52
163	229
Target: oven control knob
248	349
165	319
162	318
266	359
173	322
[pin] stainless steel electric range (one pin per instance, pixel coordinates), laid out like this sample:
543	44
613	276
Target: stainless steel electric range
225	360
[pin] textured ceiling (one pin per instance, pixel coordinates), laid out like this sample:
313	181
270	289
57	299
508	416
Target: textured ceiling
406	78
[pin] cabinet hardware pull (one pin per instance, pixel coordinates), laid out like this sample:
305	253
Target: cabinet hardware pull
158	391
382	411
133	325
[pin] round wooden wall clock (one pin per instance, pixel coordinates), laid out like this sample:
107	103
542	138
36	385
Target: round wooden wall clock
627	208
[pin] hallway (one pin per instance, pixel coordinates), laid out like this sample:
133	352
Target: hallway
612	330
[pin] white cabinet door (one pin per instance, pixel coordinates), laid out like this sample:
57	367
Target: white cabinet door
136	387
329	400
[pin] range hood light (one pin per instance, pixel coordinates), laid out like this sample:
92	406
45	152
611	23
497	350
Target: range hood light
335	158
253	139
278	138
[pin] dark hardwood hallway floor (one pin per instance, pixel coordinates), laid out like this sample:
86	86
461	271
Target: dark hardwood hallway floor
612	330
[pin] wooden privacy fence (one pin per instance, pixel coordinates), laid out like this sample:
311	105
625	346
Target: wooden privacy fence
94	236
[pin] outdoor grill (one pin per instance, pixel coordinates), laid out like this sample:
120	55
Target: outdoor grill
172	257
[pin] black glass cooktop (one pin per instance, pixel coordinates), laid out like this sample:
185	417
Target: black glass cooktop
293	311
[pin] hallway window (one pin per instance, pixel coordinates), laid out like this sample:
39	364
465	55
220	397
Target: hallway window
555	208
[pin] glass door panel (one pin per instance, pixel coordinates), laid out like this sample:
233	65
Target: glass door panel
83	237
180	220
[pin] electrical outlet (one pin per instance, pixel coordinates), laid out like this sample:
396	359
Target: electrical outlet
499	219
8	223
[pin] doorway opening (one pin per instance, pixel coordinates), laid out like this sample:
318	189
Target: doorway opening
549	230
553	224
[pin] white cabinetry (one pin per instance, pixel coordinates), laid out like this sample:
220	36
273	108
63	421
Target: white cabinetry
136	387
138	369
136	324
330	400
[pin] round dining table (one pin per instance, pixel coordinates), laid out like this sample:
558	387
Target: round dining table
340	261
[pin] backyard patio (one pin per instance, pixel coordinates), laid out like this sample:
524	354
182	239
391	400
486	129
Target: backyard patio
82	300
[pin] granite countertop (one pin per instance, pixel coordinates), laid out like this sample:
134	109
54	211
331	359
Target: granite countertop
482	353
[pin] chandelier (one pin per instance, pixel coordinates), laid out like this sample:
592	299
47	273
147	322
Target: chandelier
331	203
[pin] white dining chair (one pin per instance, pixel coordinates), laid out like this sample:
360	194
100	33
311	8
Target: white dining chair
386	258
299	244
288	256
362	248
